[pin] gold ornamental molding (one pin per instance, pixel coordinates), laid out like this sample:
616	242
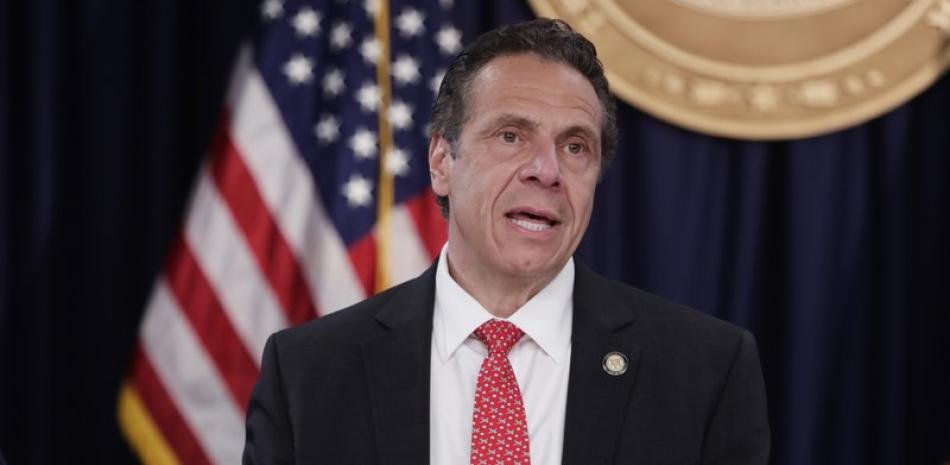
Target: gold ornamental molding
764	69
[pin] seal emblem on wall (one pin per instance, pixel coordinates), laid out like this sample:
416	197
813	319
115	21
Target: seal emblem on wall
764	69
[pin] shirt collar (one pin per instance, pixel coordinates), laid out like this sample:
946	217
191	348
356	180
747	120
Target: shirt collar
545	318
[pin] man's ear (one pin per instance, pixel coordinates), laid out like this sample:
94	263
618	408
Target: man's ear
440	161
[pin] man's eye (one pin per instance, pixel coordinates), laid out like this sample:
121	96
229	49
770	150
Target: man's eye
509	137
575	148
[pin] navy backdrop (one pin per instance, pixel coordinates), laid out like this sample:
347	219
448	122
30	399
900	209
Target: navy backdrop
833	250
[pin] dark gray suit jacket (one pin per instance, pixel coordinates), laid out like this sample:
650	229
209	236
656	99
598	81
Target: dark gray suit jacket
353	387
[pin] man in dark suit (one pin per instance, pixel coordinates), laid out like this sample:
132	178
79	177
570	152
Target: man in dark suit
506	351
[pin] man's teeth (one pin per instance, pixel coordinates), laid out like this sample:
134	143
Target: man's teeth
531	225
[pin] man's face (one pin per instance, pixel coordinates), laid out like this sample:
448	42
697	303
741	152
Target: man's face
521	188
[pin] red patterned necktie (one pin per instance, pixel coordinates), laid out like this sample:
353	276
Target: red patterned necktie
499	427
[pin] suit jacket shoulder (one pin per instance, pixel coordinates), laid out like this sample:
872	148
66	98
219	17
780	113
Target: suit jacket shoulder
349	326
349	387
692	391
670	324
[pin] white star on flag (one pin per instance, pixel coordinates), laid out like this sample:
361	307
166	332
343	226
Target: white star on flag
272	9
363	143
340	36
436	81
397	162
405	70
333	82
410	22
371	7
449	40
358	191
299	69
370	50
306	22
400	115
327	129
368	96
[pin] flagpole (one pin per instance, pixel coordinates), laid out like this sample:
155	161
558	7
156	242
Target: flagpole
385	196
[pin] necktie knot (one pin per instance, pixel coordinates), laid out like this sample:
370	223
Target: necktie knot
499	336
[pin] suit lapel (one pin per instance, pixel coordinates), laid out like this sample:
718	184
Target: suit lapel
397	367
597	401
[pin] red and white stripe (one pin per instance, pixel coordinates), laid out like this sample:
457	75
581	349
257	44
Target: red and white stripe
256	253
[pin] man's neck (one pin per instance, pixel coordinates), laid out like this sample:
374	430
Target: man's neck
500	294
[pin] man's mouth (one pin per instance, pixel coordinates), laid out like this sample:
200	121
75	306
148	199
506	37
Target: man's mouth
533	221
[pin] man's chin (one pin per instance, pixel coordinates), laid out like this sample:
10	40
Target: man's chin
534	266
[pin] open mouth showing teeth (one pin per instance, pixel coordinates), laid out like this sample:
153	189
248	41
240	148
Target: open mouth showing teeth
531	222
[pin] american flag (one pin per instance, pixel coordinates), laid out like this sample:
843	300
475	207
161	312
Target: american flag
315	194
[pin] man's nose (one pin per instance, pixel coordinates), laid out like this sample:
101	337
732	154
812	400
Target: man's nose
544	166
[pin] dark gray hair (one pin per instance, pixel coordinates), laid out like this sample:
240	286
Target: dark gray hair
551	39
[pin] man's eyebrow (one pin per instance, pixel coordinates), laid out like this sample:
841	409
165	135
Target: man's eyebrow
582	131
508	119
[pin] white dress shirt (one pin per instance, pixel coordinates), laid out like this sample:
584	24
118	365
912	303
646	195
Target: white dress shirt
541	362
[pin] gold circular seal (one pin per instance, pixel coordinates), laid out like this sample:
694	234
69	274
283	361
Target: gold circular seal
764	69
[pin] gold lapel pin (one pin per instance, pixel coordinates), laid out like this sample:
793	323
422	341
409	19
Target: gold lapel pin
615	363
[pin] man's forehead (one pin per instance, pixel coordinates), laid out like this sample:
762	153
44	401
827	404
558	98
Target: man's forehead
510	75
493	68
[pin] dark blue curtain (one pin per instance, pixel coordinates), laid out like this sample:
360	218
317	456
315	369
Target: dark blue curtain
832	250
105	110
